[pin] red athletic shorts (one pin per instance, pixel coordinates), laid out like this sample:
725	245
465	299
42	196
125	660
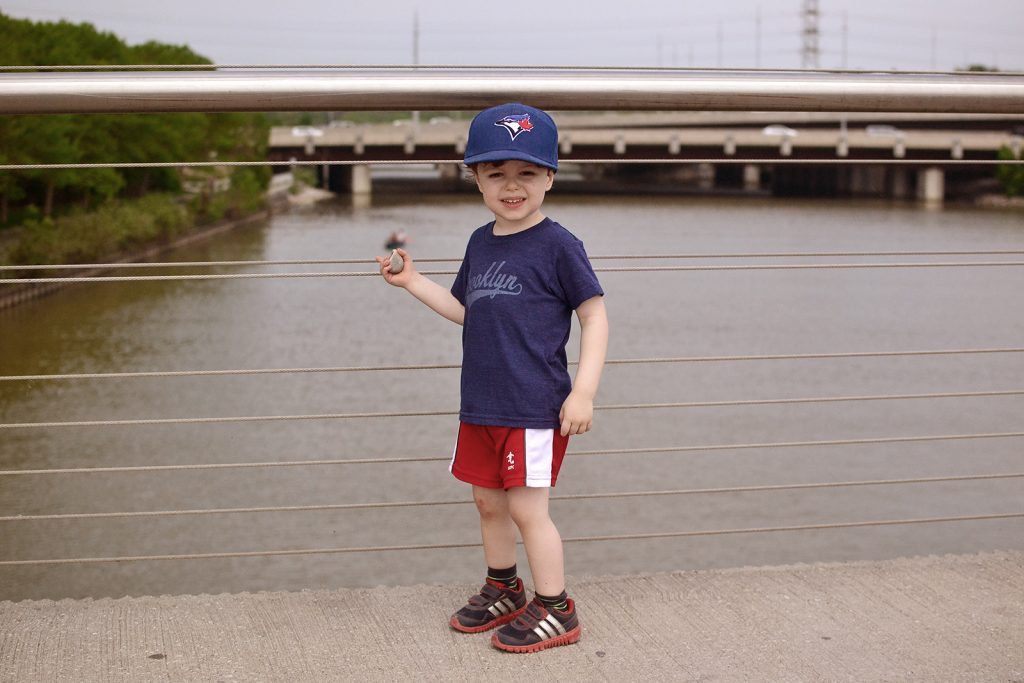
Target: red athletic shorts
503	457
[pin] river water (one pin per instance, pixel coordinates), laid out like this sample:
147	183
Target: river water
361	321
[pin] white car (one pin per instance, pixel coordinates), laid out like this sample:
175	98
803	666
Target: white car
778	129
883	131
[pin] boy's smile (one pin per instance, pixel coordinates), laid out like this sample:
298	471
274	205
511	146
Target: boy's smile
513	190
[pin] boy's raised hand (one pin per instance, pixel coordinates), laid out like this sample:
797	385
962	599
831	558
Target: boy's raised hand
402	278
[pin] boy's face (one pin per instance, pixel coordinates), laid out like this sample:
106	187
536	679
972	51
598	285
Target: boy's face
514	190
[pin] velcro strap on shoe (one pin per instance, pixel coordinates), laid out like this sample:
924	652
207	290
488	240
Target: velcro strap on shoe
486	596
529	618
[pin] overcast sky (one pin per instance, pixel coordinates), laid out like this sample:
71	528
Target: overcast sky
880	34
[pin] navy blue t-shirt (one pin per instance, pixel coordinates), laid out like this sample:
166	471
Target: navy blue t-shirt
520	292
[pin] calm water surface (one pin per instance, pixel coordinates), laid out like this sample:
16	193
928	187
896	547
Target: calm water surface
362	321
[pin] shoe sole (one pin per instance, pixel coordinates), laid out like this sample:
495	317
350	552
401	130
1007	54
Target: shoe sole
568	638
500	621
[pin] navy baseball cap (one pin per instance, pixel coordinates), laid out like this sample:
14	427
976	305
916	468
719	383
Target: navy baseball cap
513	131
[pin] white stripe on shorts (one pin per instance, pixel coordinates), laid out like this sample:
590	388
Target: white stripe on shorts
539	448
455	450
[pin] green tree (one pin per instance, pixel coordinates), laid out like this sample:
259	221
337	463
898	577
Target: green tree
11	185
1011	175
107	137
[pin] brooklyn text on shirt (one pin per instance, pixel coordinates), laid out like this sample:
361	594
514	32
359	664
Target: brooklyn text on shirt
492	283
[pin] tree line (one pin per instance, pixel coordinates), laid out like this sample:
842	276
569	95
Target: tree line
104	138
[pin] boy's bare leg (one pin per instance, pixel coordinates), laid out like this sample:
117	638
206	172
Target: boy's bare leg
528	508
497	529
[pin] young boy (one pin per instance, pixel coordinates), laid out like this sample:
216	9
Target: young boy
522	277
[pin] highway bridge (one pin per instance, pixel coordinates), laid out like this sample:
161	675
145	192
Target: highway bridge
895	154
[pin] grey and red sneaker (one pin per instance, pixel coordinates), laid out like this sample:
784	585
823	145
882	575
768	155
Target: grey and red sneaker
494	605
538	628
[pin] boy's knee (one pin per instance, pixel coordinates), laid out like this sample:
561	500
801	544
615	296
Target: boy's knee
527	515
490	505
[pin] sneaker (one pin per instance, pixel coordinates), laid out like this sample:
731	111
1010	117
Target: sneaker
493	606
538	629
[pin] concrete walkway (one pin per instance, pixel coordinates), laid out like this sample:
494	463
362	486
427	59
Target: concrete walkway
958	618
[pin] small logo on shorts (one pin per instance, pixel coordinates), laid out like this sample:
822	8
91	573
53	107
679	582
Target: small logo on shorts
511	457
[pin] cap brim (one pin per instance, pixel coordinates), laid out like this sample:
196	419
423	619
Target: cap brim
506	155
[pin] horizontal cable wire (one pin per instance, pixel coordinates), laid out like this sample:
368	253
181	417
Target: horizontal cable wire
452	366
419	459
839	161
795	266
611	257
440	413
623	269
573	497
489	67
231	373
213	264
439	546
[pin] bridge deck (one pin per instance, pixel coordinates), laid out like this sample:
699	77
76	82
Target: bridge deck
920	619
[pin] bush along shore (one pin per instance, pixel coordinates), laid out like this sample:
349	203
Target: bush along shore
123	231
105	213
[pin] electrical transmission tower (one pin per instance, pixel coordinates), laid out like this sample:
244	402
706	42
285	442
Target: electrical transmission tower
811	52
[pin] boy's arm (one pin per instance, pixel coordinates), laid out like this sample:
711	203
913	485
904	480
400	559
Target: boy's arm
577	412
436	297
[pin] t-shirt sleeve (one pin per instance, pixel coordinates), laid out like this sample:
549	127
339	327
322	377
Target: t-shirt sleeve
575	274
459	286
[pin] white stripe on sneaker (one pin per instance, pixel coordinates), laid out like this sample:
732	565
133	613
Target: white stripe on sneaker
556	623
502	607
549	627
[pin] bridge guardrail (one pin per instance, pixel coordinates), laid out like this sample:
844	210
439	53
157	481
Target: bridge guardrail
369	89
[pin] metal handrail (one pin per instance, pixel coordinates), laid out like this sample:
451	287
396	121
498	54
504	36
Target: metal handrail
381	88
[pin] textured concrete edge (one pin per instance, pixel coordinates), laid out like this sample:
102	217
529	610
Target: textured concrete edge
1010	555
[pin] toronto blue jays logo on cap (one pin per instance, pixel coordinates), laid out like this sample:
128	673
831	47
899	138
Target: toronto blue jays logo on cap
515	124
487	144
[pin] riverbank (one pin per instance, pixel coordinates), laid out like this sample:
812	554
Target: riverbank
276	202
1000	201
915	619
14	295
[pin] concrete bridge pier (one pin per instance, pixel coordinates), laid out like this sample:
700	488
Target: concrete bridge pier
752	177
361	182
899	182
706	176
867	181
931	185
451	175
354	180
